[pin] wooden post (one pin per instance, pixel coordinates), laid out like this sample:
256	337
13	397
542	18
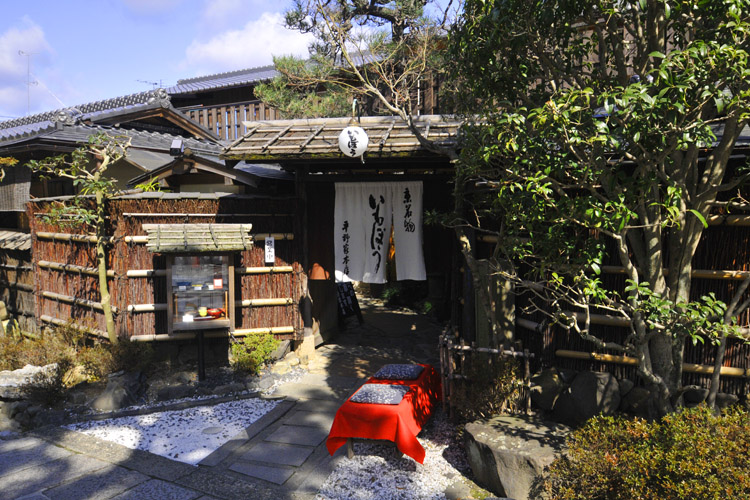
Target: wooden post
527	381
201	357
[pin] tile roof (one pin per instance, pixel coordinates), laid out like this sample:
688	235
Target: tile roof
240	77
318	138
14	240
223	80
93	111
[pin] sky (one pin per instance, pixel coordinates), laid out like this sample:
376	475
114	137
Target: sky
60	53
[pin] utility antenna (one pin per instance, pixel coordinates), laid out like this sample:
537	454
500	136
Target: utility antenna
155	84
29	83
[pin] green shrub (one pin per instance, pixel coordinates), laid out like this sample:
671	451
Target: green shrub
49	388
253	352
17	352
492	387
691	454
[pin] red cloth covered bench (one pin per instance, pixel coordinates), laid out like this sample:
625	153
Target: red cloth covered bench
399	423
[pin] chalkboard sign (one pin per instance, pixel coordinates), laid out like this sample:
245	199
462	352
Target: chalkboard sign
347	299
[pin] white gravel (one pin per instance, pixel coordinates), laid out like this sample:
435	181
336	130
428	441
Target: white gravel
377	472
188	435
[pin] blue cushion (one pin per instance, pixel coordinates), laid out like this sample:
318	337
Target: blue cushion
399	372
380	394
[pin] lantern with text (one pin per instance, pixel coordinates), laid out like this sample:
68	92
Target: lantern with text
353	141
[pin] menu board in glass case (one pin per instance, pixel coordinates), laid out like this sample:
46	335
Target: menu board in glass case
200	291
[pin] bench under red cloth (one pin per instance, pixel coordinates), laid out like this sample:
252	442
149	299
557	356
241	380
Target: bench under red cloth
399	423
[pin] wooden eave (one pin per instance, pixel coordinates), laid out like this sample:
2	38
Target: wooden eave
176	118
198	164
317	139
184	238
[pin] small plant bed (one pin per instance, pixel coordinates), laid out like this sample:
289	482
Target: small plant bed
690	454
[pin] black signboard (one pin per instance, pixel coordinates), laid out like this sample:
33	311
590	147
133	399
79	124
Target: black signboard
347	299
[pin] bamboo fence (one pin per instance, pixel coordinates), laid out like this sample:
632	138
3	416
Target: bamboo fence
66	285
722	261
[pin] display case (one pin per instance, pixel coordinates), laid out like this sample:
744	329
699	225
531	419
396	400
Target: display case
201	290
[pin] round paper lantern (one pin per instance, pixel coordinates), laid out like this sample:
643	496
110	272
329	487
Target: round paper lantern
353	141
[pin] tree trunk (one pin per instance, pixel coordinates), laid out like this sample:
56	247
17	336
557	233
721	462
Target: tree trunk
101	261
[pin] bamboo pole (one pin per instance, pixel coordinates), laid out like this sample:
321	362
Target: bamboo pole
600	319
729	371
528	324
76	301
142	239
81	238
728	220
60	322
696	273
146	307
275	330
265	302
72	268
17	286
139	214
606	320
146	273
515	354
16	268
264	270
163	337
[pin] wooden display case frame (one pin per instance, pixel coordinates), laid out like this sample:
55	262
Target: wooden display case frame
215	324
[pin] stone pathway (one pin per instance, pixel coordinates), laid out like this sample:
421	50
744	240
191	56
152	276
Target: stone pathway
280	456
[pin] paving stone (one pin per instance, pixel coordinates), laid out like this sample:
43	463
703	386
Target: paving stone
316	419
276	453
11	445
275	475
319	405
15	461
158	490
307	391
297	434
100	484
226	486
333	381
47	475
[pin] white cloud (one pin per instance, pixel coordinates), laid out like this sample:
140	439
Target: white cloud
151	7
28	38
222	10
254	45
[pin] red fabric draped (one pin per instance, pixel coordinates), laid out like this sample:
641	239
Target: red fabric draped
398	423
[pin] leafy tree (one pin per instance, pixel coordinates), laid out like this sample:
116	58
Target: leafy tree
605	137
379	52
6	162
87	166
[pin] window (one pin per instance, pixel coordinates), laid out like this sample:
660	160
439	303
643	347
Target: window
201	291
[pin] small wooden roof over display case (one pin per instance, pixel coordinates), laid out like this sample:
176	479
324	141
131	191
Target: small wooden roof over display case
187	238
